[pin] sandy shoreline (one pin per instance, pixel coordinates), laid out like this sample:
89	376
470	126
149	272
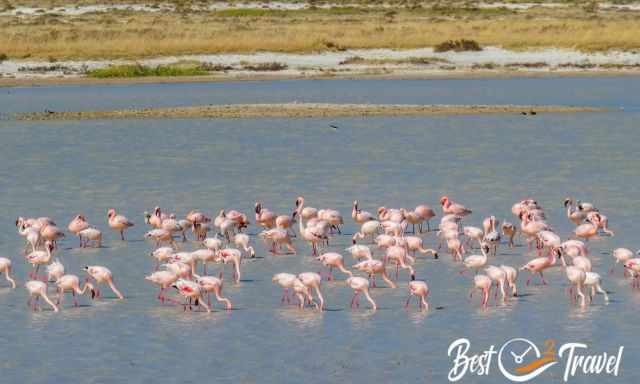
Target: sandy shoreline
299	110
458	75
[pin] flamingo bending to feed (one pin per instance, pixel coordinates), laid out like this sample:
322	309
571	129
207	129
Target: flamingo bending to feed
279	237
621	255
588	229
449	207
360	252
473	233
37	289
51	233
483	284
162	254
419	289
333	260
313	280
290	281
370	228
118	222
102	275
577	276
361	286
241	240
360	216
499	277
333	217
373	268
90	234
5	267
78	224
164	279
399	256
191	291
161	235
512	278
594	280
213	284
72	283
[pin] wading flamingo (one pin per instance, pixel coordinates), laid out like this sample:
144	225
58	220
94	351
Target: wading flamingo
38	258
419	289
164	279
360	216
72	283
118	222
5	267
361	286
512	278
102	275
449	207
333	260
192	292
539	264
78	224
483	284
313	280
90	234
373	268
577	278
37	289
213	284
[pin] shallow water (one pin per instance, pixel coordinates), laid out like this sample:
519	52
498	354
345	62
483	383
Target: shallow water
487	162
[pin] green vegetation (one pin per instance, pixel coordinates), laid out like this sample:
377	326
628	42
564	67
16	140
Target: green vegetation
138	70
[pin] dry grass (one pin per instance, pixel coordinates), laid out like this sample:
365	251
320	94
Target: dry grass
136	35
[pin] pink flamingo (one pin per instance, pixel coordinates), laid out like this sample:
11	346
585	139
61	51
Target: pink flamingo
453	208
360	252
499	277
102	275
164	279
5	267
577	277
539	264
311	234
360	216
32	236
264	217
419	289
160	235
333	217
279	237
483	284
191	291
205	256
509	230
621	255
588	229
213	284
72	283
333	260
37	289
118	222
373	268
38	258
90	234
55	270
313	280
512	278
241	240
399	256
162	255
476	262
51	233
78	224
369	228
360	285
231	256
426	213
290	281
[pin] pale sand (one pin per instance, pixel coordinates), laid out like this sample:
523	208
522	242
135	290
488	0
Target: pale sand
299	110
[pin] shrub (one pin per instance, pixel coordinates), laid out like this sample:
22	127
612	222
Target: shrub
458	46
273	66
3	57
138	70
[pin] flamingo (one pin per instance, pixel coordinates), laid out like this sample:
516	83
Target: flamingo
548	240
78	224
55	270
373	268
333	217
499	277
212	243
360	285
102	275
483	284
621	255
512	278
205	256
333	260
476	262
426	213
278	236
574	214
491	234
360	252
160	235
313	280
241	240
162	254
233	256
588	229
197	217
37	289
90	234
290	281
453	208
593	281
191	291
577	277
285	222
5	267
414	219
51	233
213	284
399	256
200	230
164	279
455	248
369	228
32	236
118	222
473	233
72	283
420	289
509	230
179	268
539	264
311	234
38	258
264	217
360	216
